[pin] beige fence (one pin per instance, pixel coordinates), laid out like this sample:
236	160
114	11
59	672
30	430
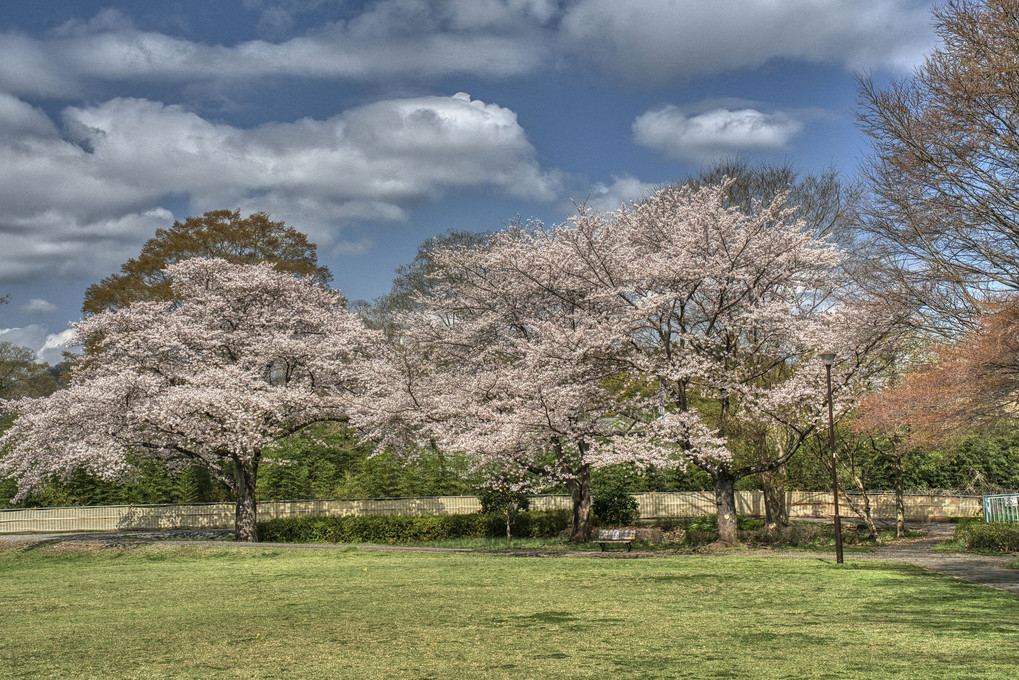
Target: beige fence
652	505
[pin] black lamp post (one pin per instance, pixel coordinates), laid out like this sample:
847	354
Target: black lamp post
829	359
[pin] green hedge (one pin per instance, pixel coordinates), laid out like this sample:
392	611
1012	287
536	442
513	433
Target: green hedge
993	537
395	529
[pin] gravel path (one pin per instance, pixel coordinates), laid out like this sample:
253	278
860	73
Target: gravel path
988	570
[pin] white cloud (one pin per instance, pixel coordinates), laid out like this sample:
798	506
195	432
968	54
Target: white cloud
103	181
659	41
642	43
404	39
358	247
47	346
672	133
55	345
623	190
38	306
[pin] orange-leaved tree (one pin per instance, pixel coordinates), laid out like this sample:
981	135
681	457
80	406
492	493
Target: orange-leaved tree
967	386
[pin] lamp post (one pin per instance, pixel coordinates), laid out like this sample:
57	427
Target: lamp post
829	358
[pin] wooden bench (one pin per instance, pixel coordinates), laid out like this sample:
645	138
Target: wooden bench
606	536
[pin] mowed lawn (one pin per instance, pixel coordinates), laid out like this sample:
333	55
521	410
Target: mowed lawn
179	611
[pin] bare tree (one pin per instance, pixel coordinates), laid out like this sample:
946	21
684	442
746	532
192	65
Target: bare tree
944	165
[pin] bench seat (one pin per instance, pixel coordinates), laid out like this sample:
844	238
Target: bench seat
625	536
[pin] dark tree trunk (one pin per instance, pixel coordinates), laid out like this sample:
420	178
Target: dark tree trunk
245	525
900	503
580	493
725	499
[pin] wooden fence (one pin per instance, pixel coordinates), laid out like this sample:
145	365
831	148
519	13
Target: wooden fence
919	507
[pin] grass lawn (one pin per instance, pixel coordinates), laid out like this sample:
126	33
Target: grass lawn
180	611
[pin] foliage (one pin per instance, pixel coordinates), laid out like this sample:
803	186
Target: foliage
415	281
246	357
222	234
21	375
650	335
988	536
393	529
613	505
329	460
701	531
148	482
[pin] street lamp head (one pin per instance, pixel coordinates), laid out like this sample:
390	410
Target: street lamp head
828	358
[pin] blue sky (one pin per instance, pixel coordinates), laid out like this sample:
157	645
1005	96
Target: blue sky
374	125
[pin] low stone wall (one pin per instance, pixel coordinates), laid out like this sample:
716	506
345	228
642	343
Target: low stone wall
919	507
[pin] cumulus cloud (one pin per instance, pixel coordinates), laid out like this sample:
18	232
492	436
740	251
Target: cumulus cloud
645	43
55	345
659	41
623	190
102	179
672	133
47	346
391	39
38	306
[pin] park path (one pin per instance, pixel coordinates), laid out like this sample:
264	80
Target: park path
989	570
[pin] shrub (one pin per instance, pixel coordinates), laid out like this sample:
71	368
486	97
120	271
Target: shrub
394	529
614	505
992	537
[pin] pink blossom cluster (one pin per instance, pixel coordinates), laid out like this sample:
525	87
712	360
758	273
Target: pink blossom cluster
243	357
592	342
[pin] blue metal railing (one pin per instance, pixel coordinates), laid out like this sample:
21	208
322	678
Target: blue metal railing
1002	507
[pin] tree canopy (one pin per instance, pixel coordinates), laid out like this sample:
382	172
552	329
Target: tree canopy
642	335
245	356
220	234
21	375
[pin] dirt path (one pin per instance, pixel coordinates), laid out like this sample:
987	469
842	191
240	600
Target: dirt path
988	570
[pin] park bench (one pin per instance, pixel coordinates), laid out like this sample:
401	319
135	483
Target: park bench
606	536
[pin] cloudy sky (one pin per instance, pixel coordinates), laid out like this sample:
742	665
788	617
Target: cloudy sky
374	125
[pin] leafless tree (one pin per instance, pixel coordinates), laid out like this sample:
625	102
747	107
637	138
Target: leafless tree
944	166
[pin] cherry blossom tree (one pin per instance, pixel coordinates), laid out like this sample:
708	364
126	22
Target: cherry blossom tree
506	358
651	335
726	312
246	356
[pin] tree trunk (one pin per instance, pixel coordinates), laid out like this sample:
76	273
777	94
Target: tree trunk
580	493
863	511
245	524
776	513
508	517
900	503
725	499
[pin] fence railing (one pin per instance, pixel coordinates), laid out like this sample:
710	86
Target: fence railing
919	507
1002	507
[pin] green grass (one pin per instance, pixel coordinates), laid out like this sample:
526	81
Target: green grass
179	611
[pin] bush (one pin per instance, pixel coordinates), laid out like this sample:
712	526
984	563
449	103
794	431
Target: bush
395	529
993	537
699	531
615	506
